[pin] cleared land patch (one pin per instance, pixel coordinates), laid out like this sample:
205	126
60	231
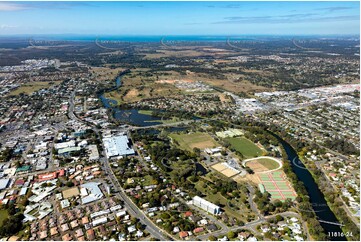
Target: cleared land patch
71	192
128	94
29	88
195	140
245	147
106	73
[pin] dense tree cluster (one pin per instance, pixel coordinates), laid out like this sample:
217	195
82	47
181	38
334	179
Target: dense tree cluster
266	206
12	224
342	146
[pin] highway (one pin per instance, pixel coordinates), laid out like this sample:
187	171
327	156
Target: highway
131	207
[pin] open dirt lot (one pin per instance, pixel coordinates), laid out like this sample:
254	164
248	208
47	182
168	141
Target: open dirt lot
262	164
71	192
256	166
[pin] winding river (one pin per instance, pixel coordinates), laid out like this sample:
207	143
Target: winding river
319	204
126	115
131	116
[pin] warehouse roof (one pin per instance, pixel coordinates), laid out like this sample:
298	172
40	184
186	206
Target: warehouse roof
117	146
4	183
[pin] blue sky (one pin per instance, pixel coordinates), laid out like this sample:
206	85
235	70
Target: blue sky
180	18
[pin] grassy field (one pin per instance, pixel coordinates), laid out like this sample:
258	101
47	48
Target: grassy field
165	121
145	112
161	120
31	87
127	94
3	215
245	146
238	211
106	73
262	165
268	163
195	140
148	180
199	187
234	207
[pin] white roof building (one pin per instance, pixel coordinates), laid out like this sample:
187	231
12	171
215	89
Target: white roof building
94	192
117	146
132	229
4	183
23	191
83	192
94	154
100	213
99	221
205	205
64	203
63	145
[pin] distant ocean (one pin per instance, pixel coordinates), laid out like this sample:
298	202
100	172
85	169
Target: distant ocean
155	38
138	38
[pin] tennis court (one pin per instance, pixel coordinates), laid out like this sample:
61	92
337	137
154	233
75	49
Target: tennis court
277	185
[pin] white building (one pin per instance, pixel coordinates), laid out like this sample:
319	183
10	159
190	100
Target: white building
4	183
117	146
93	191
63	145
205	205
99	221
94	154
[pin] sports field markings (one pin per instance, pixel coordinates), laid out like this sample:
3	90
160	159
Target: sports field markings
277	185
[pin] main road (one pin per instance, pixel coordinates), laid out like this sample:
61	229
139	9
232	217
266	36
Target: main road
128	203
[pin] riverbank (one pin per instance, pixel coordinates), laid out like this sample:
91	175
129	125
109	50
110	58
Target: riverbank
319	204
346	229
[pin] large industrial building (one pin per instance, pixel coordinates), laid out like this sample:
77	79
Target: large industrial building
205	205
4	183
117	146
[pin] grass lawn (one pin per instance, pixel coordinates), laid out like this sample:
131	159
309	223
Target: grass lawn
236	211
199	187
148	180
3	215
194	140
216	198
165	121
245	146
145	112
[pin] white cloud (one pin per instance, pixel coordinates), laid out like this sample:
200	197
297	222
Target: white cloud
6	6
6	26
